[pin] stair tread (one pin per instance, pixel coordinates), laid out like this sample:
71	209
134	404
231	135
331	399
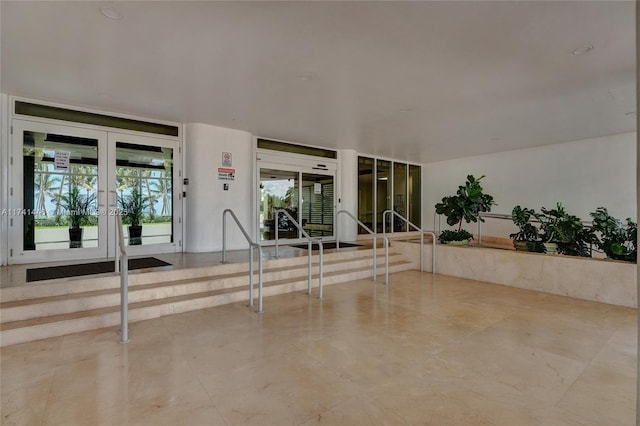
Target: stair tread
167	300
167	283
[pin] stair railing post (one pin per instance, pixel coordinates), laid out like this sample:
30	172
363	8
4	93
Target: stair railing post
375	257
276	225
250	275
260	310
224	236
386	260
124	284
309	267
320	296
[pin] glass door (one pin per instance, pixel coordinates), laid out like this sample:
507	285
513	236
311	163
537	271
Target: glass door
144	188
308	196
278	190
57	195
68	184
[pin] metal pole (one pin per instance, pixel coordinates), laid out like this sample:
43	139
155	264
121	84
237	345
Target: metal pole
479	232
260	310
338	230
375	257
433	255
250	276
310	267
124	299
224	237
276	225
117	260
421	251
320	295
386	260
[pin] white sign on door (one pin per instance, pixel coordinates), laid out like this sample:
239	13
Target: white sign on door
61	160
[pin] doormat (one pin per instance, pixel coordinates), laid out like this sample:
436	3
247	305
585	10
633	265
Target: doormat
65	271
326	246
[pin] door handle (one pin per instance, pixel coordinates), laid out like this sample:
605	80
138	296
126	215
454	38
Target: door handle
115	198
100	191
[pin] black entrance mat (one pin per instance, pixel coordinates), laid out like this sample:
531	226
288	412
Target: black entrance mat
326	246
53	272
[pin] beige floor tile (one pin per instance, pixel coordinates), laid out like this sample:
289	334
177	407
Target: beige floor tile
432	350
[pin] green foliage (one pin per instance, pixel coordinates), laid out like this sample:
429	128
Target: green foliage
77	206
566	230
467	204
521	217
459	235
133	206
617	240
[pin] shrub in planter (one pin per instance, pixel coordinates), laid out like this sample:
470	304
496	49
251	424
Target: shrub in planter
466	205
564	231
528	236
461	236
617	240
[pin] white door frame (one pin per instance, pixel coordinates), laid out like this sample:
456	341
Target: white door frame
17	254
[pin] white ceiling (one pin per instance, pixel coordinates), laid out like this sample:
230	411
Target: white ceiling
422	81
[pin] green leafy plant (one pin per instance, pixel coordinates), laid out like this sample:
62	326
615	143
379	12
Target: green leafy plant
617	240
566	230
521	217
466	205
77	206
133	207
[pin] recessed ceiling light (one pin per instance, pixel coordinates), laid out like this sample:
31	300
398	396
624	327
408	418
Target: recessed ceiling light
110	12
307	76
583	50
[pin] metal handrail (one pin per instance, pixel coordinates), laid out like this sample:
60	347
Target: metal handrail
509	217
252	244
310	240
124	282
375	244
422	232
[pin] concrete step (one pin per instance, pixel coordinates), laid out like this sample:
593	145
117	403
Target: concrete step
39	318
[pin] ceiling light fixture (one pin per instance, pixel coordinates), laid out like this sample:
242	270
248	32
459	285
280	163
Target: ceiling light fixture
307	76
110	12
582	50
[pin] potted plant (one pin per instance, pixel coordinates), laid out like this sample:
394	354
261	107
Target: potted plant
466	205
132	207
617	240
77	207
564	232
528	236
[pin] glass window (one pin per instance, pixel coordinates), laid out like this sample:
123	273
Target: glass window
400	196
415	189
317	204
144	186
383	194
366	211
278	190
59	198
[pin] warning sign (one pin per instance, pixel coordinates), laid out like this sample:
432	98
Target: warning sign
225	173
61	160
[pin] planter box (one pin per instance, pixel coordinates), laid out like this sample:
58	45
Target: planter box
598	280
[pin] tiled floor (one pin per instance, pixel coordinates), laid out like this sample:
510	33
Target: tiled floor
428	349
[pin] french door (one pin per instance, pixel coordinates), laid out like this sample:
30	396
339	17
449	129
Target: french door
307	195
68	184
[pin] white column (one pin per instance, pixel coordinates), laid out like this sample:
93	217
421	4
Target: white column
348	194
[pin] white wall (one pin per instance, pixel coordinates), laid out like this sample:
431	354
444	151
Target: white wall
206	199
583	175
